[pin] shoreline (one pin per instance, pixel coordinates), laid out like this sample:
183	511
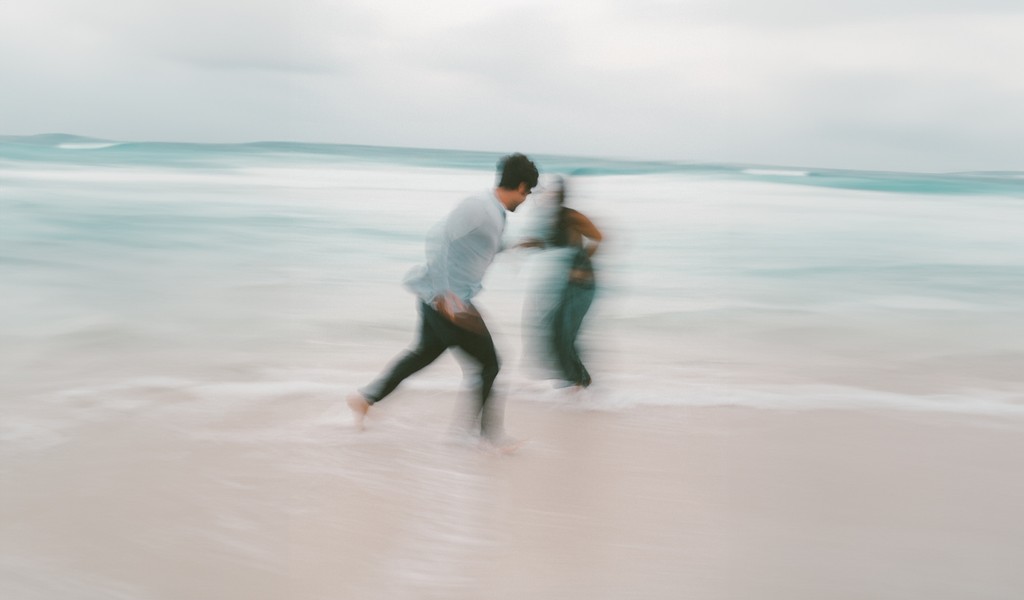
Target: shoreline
283	499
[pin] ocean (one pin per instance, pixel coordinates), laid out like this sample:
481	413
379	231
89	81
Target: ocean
133	275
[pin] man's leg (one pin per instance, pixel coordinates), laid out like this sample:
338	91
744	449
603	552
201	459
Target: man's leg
433	340
480	348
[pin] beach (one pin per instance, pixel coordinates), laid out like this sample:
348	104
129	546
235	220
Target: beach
283	499
806	383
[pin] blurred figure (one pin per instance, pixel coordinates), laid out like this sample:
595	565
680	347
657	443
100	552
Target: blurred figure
459	250
572	286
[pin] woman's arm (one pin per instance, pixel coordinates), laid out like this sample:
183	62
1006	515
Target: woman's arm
586	228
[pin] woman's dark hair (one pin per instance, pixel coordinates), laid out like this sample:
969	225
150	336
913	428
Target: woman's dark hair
560	193
516	169
560	232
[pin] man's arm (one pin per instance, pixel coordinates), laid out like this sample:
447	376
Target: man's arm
466	218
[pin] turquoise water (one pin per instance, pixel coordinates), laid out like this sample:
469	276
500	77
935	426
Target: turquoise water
147	266
61	149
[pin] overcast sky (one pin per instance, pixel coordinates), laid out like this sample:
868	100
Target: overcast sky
927	85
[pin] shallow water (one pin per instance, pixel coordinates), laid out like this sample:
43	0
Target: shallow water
279	265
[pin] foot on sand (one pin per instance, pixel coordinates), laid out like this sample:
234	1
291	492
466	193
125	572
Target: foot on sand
359	407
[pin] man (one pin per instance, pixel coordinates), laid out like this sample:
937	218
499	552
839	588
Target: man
459	250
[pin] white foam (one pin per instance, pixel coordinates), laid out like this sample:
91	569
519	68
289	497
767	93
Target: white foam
619	394
263	389
777	172
924	303
87	145
154	382
118	175
31	435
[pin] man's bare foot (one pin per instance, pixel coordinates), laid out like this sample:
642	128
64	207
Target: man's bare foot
359	407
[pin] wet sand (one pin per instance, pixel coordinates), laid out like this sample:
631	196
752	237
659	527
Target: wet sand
282	499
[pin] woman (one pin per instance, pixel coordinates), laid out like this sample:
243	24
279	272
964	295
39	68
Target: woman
572	230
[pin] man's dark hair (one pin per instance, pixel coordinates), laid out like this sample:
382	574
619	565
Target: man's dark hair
516	169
